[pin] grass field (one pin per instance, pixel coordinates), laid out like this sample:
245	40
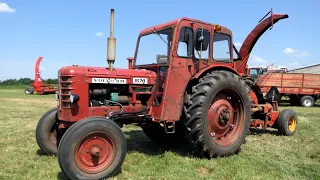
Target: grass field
264	156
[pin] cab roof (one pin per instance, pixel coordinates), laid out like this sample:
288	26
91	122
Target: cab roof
175	22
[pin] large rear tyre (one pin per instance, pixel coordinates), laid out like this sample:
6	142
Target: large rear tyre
287	122
157	133
218	114
47	131
29	90
93	148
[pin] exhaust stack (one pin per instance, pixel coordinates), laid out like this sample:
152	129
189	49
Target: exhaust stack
111	49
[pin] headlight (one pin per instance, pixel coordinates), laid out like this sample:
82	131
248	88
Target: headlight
74	98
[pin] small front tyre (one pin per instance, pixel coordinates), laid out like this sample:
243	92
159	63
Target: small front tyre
287	122
47	131
93	148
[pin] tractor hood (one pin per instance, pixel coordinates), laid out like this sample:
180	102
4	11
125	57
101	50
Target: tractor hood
103	75
253	37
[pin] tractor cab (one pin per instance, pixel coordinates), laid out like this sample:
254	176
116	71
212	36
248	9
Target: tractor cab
179	50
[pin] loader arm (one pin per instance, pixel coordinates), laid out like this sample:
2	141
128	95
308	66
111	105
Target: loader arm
253	37
37	78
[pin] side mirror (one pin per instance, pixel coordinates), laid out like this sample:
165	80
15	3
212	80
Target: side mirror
204	40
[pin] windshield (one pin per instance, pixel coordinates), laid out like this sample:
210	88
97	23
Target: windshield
154	48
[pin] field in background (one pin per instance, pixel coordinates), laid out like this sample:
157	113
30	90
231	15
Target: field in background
264	156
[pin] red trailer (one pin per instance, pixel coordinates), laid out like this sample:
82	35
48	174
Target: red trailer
303	89
38	86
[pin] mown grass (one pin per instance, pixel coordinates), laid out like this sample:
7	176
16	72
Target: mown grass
264	156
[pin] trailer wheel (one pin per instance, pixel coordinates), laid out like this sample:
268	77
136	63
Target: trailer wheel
46	132
287	122
29	90
93	148
307	101
157	133
218	114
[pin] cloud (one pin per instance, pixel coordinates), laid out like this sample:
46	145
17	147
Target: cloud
302	54
257	59
237	44
4	8
99	33
289	51
296	53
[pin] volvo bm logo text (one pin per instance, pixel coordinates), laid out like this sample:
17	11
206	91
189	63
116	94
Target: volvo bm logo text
140	81
109	81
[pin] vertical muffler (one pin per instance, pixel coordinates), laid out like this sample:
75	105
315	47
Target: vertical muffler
111	49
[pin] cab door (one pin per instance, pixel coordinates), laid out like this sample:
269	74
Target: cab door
190	53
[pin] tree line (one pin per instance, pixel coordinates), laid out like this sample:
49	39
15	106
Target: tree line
26	81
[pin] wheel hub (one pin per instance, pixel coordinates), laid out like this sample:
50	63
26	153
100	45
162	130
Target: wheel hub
307	102
292	123
224	117
220	118
95	153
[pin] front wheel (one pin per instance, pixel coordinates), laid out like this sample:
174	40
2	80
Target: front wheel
93	148
47	132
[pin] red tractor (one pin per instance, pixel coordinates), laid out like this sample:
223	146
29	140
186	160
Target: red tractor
38	86
183	83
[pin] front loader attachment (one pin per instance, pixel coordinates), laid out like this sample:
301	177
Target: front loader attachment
253	37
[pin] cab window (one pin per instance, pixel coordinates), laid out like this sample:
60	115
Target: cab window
185	46
221	47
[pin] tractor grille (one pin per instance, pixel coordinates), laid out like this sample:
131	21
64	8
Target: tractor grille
65	90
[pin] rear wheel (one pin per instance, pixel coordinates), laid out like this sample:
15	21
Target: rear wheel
287	122
47	131
29	90
218	114
93	148
307	101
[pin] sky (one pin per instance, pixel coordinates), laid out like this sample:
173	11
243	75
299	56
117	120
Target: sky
76	32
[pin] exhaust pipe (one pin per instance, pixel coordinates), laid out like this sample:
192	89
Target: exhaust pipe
111	49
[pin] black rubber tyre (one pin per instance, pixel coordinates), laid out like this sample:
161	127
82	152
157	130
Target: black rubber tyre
287	122
91	133
249	81
47	131
29	90
210	87
158	135
307	101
